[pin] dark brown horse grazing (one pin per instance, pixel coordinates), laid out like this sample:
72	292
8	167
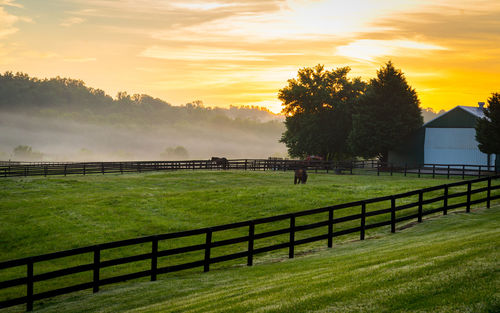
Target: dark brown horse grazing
222	162
300	176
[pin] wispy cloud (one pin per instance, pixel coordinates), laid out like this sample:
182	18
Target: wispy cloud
7	21
202	6
80	60
70	21
11	3
202	53
368	49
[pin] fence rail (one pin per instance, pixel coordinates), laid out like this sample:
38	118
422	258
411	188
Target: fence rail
19	169
447	170
250	238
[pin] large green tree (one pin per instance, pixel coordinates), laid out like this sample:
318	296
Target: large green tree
387	113
488	128
318	108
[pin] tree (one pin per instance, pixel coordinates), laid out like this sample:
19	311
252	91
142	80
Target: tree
178	152
488	127
26	153
387	113
318	108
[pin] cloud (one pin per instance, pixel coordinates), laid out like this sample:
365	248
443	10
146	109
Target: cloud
7	22
11	3
290	20
203	53
70	21
79	60
368	49
202	6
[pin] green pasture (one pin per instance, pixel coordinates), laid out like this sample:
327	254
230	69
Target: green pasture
42	215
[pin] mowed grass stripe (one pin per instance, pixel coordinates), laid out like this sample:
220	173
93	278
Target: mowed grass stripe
446	264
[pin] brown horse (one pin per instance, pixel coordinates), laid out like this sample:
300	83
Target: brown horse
300	176
222	162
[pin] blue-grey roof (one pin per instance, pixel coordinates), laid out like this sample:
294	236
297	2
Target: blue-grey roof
477	111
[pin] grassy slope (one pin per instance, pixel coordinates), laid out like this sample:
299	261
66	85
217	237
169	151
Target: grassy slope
446	264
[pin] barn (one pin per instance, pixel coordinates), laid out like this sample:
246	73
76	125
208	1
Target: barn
447	139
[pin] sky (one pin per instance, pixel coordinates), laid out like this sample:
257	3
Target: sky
242	52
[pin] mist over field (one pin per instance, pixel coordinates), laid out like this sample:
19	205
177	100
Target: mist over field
63	140
63	120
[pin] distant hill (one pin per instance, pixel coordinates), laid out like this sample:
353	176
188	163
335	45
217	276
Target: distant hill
61	117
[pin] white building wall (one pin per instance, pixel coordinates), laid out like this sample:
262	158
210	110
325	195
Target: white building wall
453	146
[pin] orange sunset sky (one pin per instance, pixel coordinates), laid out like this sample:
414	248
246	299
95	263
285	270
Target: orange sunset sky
242	52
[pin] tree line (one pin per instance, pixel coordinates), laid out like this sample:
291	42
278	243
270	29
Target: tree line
336	117
72	99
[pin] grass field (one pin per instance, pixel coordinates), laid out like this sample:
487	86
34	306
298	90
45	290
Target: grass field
41	215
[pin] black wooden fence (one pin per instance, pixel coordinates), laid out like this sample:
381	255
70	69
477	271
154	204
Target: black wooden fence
18	169
434	170
13	169
419	210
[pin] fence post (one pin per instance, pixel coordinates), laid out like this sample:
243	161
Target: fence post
45	171
469	186
251	234
445	204
448	172
433	170
363	217
420	199
29	286
393	214
84	169
378	169
390	166
419	172
463	171
292	237
154	258
97	263
102	168
330	228
65	168
208	243
488	193
406	168
352	165
479	174
121	167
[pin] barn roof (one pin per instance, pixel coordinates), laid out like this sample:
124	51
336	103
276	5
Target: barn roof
477	111
460	116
